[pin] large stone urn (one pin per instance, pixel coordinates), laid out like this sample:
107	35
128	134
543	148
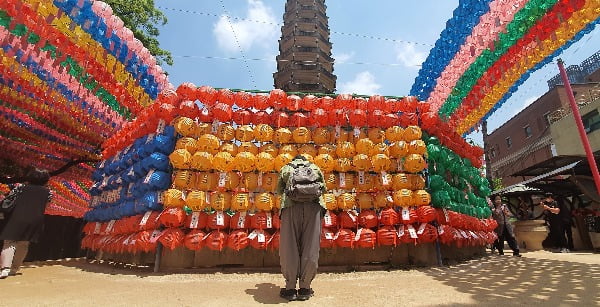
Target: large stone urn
530	234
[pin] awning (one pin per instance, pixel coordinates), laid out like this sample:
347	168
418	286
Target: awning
555	172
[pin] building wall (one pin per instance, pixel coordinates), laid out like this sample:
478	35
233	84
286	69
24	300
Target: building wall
527	150
566	136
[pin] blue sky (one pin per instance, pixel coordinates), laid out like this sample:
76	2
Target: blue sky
377	47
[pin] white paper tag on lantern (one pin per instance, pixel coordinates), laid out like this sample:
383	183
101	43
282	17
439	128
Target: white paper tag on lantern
446	215
206	236
220	218
389	198
97	228
337	234
342	180
183	195
195	219
405	214
207	197
473	234
329	236
412	232
463	233
327	219
421	228
242	220
222	179
145	218
357	236
361	177
160	128
400	164
110	226
252	235
269	220
130	173
261	238
440	230
147	179
161	198
260	180
150	138
155	236
215	126
356	132
400	232
384	178
102	164
338	132
353	215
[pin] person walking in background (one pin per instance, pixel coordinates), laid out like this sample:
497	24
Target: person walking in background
301	185
556	222
504	230
25	223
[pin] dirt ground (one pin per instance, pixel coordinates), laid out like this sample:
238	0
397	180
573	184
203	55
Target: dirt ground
539	278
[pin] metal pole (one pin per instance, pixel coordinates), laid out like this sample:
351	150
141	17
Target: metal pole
584	139
158	257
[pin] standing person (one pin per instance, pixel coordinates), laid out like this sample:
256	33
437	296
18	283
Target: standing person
25	223
504	230
556	222
301	185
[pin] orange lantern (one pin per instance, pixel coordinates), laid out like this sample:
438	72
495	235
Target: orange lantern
283	135
281	160
325	162
301	135
365	201
417	147
321	135
186	143
263	133
223	161
414	163
248	147
362	162
244	133
270	148
202	161
327	149
185	126
403	198
398	149
412	133
364	146
265	162
394	133
343	165
230	148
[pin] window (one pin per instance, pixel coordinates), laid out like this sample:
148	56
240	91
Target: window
547	118
508	142
591	121
528	132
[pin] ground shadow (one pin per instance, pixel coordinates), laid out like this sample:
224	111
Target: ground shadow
266	293
501	280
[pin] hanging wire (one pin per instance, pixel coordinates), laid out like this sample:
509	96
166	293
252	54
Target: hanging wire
387	39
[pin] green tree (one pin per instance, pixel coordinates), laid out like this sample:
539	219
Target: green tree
142	17
497	184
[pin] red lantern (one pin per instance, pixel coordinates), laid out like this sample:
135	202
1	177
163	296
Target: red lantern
348	219
187	91
205	116
326	103
387	236
345	238
361	104
408	104
225	96
194	240
238	240
358	118
168	96
389	217
367	238
343	101
262	117
189	109
280	119
298	119
222	112
327	238
375	118
337	117
277	99
207	95
390	119
309	102
318	118
367	219
242	117
243	99
260	101
293	102
377	102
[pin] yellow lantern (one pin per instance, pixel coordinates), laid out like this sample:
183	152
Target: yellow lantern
325	162
182	179
187	143
205	181
394	133
223	161
345	150
399	149
244	162
173	198
281	160
381	162
383	181
414	163
202	161
263	133
180	159
265	162
289	149
230	148
346	201
308	149
269	182
365	201
283	135
380	148
383	200
421	198
240	202
403	198
331	181
270	148
362	162
417	182
412	133
328	149
377	135
208	143
346	181
196	200
330	201
202	129
343	165
226	132
322	135
249	181
244	133
220	201
364	146
401	181
417	147
185	126
249	147
301	135
363	181
264	201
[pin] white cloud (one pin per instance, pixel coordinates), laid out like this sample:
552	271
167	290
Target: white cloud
342	58
364	83
259	27
409	56
524	105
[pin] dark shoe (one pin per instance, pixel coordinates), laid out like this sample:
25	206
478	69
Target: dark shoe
304	294
516	254
501	253
288	294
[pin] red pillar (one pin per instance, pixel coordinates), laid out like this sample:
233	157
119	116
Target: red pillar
584	139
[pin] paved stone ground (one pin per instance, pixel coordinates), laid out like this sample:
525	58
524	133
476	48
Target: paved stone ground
538	278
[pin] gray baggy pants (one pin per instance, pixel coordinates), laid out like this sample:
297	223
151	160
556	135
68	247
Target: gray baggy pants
299	244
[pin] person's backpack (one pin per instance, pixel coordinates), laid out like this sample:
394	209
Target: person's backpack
303	184
8	203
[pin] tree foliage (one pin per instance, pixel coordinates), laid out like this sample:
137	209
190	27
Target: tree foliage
142	17
497	184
